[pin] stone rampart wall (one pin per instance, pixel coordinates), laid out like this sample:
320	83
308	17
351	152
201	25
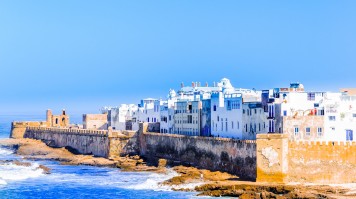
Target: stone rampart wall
322	162
81	141
282	160
222	154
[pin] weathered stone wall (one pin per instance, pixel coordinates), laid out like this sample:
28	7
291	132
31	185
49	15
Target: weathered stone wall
322	162
18	129
272	157
282	160
313	122
127	144
82	141
223	154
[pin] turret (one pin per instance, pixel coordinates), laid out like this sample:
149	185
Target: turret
49	118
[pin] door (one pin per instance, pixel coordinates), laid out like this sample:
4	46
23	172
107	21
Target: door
349	135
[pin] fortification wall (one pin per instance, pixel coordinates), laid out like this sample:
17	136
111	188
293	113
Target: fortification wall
322	162
126	144
233	156
82	141
18	129
282	160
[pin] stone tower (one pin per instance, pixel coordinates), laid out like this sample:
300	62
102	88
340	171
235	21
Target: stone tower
49	118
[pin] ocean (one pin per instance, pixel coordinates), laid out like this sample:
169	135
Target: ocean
67	181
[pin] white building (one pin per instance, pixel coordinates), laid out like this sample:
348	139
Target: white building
148	111
323	116
167	113
340	116
187	117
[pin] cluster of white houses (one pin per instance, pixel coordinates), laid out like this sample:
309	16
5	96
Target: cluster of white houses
224	111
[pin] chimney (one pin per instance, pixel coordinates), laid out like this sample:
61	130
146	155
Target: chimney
193	84
182	85
206	84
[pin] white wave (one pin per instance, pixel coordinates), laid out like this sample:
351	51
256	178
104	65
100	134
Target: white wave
3	182
4	152
153	182
190	186
12	172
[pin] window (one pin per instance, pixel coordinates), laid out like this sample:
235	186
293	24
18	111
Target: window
271	126
316	105
232	125
259	126
243	111
226	126
218	118
169	118
271	111
284	113
228	105
349	135
320	131
190	119
248	112
307	131
238	125
332	118
320	112
354	115
296	130
311	96
214	107
255	111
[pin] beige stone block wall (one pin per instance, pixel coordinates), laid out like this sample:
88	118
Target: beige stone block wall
272	158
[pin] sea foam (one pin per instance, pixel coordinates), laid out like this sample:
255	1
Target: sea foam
5	152
12	172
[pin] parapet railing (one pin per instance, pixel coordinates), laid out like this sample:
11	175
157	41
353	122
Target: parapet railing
202	138
103	133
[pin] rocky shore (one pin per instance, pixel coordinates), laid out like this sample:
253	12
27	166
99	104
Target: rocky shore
209	183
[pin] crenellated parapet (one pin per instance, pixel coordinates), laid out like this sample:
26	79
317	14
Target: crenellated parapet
18	129
202	138
88	132
322	143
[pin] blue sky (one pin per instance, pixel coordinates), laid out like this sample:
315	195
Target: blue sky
81	55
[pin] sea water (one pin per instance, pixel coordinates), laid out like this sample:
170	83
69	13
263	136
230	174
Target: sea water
67	181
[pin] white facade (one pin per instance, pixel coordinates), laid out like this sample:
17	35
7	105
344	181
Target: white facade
234	119
187	118
254	120
226	115
340	117
148	111
337	109
121	115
